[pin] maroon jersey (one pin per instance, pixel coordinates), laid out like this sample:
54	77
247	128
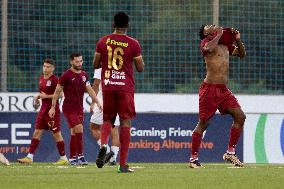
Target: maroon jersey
74	87
48	87
117	53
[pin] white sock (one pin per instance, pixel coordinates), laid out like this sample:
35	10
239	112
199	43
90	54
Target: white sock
63	157
99	142
115	150
30	156
107	146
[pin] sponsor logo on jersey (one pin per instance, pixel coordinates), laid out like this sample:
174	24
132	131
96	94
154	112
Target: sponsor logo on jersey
117	43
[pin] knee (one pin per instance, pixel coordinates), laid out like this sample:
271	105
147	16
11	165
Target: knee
201	126
37	134
58	137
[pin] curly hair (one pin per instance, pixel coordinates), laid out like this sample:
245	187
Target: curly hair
201	32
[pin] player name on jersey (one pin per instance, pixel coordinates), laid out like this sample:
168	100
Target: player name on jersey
117	43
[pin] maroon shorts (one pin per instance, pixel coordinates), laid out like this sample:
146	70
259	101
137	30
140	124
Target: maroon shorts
118	102
47	123
213	97
74	119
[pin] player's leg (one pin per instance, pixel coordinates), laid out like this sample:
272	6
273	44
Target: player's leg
207	108
124	138
96	122
61	148
114	145
73	148
126	112
196	141
78	130
33	146
105	130
109	113
75	123
235	133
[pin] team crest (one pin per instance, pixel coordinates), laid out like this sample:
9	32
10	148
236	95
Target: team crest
84	78
48	83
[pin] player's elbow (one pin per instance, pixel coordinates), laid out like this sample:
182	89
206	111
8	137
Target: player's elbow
140	68
97	66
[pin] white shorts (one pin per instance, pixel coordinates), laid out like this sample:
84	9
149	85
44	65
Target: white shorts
97	117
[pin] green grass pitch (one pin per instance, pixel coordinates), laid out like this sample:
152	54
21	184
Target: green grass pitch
147	175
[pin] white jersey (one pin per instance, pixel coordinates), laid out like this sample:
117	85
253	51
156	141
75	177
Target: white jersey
97	116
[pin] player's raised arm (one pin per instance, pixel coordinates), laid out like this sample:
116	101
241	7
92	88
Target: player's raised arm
240	50
212	44
139	63
93	95
56	95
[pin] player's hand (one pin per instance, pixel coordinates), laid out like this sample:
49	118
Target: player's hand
36	103
219	30
236	32
92	105
51	112
99	104
42	95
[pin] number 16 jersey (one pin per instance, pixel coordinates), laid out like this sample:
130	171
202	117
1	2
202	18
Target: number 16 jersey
117	53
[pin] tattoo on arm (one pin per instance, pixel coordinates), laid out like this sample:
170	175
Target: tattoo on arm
56	94
241	52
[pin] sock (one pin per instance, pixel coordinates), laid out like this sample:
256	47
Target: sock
108	148
235	134
115	150
33	146
99	142
79	143
73	152
196	141
30	156
61	147
124	138
63	157
105	132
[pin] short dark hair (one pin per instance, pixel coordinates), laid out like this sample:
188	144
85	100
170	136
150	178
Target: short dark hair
201	32
49	61
73	55
121	20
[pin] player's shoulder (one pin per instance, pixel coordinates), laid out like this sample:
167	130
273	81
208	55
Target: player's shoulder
132	39
84	73
54	78
66	73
